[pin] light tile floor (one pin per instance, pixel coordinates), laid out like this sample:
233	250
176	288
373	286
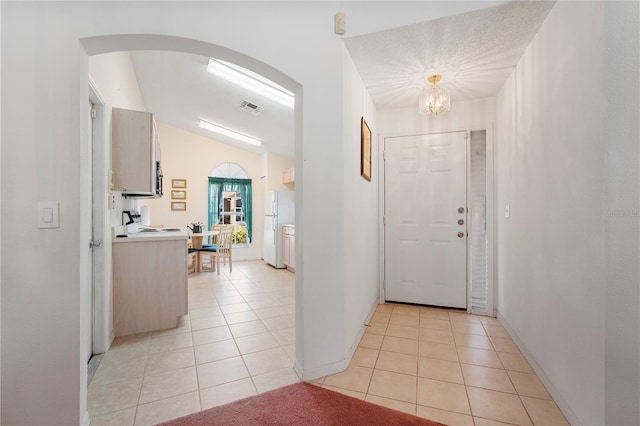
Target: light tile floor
238	340
447	366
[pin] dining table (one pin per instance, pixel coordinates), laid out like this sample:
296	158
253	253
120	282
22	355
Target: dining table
197	237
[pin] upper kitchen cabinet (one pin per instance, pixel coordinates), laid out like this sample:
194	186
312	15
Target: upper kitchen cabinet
289	176
135	153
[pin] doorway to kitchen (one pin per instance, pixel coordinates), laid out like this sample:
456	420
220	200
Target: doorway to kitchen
100	174
96	282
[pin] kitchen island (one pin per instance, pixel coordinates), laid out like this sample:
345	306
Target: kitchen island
149	281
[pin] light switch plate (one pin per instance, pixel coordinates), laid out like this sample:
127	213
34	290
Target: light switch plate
48	214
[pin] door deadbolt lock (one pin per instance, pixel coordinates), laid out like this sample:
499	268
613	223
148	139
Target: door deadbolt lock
460	222
460	210
460	234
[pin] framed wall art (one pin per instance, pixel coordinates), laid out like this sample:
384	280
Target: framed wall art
178	194
179	205
178	183
365	150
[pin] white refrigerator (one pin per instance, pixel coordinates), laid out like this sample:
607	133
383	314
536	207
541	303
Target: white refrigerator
278	210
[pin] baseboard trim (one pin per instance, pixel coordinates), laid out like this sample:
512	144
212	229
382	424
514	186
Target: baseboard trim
340	366
354	345
553	391
316	373
86	420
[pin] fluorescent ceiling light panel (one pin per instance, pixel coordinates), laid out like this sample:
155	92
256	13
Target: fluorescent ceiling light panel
251	81
227	132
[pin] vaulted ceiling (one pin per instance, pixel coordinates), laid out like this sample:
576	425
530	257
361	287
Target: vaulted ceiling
474	51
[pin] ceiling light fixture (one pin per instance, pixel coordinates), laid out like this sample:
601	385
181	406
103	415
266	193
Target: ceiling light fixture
231	133
251	81
434	100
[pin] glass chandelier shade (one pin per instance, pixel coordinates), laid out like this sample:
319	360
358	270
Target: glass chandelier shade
434	100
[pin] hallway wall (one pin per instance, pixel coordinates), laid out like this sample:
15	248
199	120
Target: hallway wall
551	172
361	284
622	214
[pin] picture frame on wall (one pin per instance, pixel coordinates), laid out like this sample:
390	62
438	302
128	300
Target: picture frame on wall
178	183
178	194
365	150
178	205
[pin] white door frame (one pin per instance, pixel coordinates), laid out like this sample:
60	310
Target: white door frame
491	292
101	255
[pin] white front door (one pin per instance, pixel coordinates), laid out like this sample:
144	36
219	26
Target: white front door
426	219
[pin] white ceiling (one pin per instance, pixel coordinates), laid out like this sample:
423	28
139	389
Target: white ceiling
475	52
177	88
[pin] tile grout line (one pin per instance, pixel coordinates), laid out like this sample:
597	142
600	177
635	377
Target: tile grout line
253	382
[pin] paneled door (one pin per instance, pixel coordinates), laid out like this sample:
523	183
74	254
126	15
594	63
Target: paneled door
426	219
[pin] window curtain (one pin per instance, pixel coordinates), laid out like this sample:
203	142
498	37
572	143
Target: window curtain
217	186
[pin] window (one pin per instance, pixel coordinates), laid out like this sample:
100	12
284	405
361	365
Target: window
230	200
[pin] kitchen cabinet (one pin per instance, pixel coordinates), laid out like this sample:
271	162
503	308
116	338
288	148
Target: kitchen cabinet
288	176
135	152
289	246
149	283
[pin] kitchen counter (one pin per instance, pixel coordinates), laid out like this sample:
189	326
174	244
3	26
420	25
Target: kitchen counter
149	281
153	236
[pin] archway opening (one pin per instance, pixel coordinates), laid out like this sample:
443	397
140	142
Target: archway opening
121	43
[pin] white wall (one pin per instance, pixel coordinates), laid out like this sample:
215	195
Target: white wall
189	156
464	115
361	285
622	213
551	171
116	77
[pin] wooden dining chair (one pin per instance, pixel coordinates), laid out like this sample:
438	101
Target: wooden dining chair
224	248
221	249
192	258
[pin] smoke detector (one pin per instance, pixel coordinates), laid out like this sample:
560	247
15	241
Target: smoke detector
251	107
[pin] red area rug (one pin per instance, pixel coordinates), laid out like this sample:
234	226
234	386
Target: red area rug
300	404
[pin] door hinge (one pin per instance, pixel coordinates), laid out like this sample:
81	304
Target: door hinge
384	155
94	114
384	220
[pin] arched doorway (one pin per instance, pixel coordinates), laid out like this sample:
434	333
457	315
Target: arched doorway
107	44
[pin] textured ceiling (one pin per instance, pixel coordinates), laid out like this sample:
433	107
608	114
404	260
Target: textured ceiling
475	52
